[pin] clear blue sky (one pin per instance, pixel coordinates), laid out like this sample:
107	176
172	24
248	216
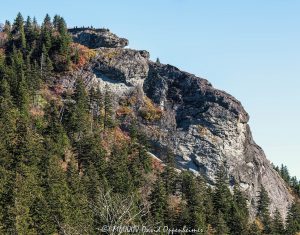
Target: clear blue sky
249	48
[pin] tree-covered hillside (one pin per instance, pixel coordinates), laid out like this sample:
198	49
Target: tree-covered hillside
67	166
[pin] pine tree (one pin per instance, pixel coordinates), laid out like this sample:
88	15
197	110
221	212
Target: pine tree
23	98
192	190
221	226
263	209
277	224
8	119
62	58
80	217
26	190
99	112
169	174
285	173
29	33
55	136
7	27
254	229
77	117
293	220
46	64
18	30
222	197
158	198
108	109
56	20
57	194
209	206
16	73
238	214
46	34
118	174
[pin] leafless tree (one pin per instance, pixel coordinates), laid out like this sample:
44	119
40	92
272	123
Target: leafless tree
116	210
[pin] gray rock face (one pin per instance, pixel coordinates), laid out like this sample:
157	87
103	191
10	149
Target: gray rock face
122	65
205	127
210	131
95	38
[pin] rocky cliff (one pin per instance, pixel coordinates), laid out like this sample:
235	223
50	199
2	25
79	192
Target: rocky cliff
205	128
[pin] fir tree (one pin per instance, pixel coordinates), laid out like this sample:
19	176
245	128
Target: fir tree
254	229
29	33
221	226
46	34
293	219
108	109
192	190
18	30
7	27
222	198
118	173
169	175
238	214
277	223
158	199
77	117
263	209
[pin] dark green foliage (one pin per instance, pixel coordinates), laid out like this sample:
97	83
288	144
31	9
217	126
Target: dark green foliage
169	175
293	219
277	223
158	199
238	216
64	157
222	198
292	182
19	33
77	112
192	190
221	226
118	173
263	209
108	109
254	230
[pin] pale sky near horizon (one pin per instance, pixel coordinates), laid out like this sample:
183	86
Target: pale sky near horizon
250	49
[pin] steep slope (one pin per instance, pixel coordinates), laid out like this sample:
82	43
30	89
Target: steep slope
205	128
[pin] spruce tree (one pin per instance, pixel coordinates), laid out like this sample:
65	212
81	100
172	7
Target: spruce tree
46	34
238	214
18	31
169	174
293	219
118	173
80	217
158	199
220	224
277	224
263	209
192	190
8	123
77	116
29	33
254	229
108	109
26	190
222	197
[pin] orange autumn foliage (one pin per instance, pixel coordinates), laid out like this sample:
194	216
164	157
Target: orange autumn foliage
84	54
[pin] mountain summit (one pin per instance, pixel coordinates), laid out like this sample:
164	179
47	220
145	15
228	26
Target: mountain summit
204	127
98	139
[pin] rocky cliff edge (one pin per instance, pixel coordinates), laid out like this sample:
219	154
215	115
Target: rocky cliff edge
205	128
